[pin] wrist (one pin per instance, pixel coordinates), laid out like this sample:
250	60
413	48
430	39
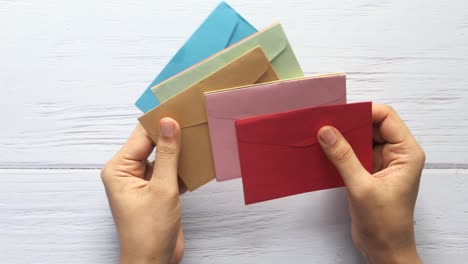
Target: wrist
133	257
394	244
392	255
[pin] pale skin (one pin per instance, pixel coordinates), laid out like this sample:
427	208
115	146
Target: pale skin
144	198
145	204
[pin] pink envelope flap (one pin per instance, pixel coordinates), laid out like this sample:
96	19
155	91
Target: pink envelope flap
224	107
277	96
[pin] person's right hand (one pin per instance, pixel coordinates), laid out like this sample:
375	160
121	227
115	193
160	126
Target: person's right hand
381	205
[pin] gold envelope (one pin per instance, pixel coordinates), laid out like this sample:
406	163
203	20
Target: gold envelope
196	166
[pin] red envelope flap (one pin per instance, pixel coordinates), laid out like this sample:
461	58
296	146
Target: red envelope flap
299	128
280	95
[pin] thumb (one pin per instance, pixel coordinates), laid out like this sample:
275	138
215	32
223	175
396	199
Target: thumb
340	153
167	156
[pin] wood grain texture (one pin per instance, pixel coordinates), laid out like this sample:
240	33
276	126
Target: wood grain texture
62	216
70	72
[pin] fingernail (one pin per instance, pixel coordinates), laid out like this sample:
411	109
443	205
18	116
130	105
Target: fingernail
328	135
166	128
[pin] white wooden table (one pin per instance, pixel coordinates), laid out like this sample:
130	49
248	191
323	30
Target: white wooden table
71	70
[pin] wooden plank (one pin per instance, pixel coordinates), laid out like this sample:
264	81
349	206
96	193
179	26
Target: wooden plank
62	216
70	72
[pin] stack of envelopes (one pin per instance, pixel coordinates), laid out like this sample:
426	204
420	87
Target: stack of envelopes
247	111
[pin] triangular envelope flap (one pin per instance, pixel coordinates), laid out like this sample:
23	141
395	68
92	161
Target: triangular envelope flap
220	29
239	32
188	108
269	75
245	70
285	94
222	23
298	128
273	41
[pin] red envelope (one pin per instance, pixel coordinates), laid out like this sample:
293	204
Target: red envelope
280	156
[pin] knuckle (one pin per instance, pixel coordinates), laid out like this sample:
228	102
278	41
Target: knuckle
391	111
389	108
166	151
172	193
416	153
343	154
104	172
422	155
363	193
166	191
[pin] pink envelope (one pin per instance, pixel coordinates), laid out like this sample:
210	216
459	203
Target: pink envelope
225	106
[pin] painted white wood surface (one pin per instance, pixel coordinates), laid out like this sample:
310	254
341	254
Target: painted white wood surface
62	216
71	70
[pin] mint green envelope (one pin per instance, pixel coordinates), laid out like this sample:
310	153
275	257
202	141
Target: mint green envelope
272	40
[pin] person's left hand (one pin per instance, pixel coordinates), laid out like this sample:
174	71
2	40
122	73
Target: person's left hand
144	198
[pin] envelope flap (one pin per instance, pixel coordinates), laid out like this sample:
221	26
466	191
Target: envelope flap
222	28
240	29
188	107
217	31
298	128
274	42
280	96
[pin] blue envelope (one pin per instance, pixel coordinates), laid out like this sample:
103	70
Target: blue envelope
222	28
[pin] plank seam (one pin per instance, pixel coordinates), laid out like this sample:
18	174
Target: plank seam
430	166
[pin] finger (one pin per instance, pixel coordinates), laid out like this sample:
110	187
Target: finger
376	135
377	157
388	126
182	187
149	173
138	147
179	248
340	153
148	170
167	155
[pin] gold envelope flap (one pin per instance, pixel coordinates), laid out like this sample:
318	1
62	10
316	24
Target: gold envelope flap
188	106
